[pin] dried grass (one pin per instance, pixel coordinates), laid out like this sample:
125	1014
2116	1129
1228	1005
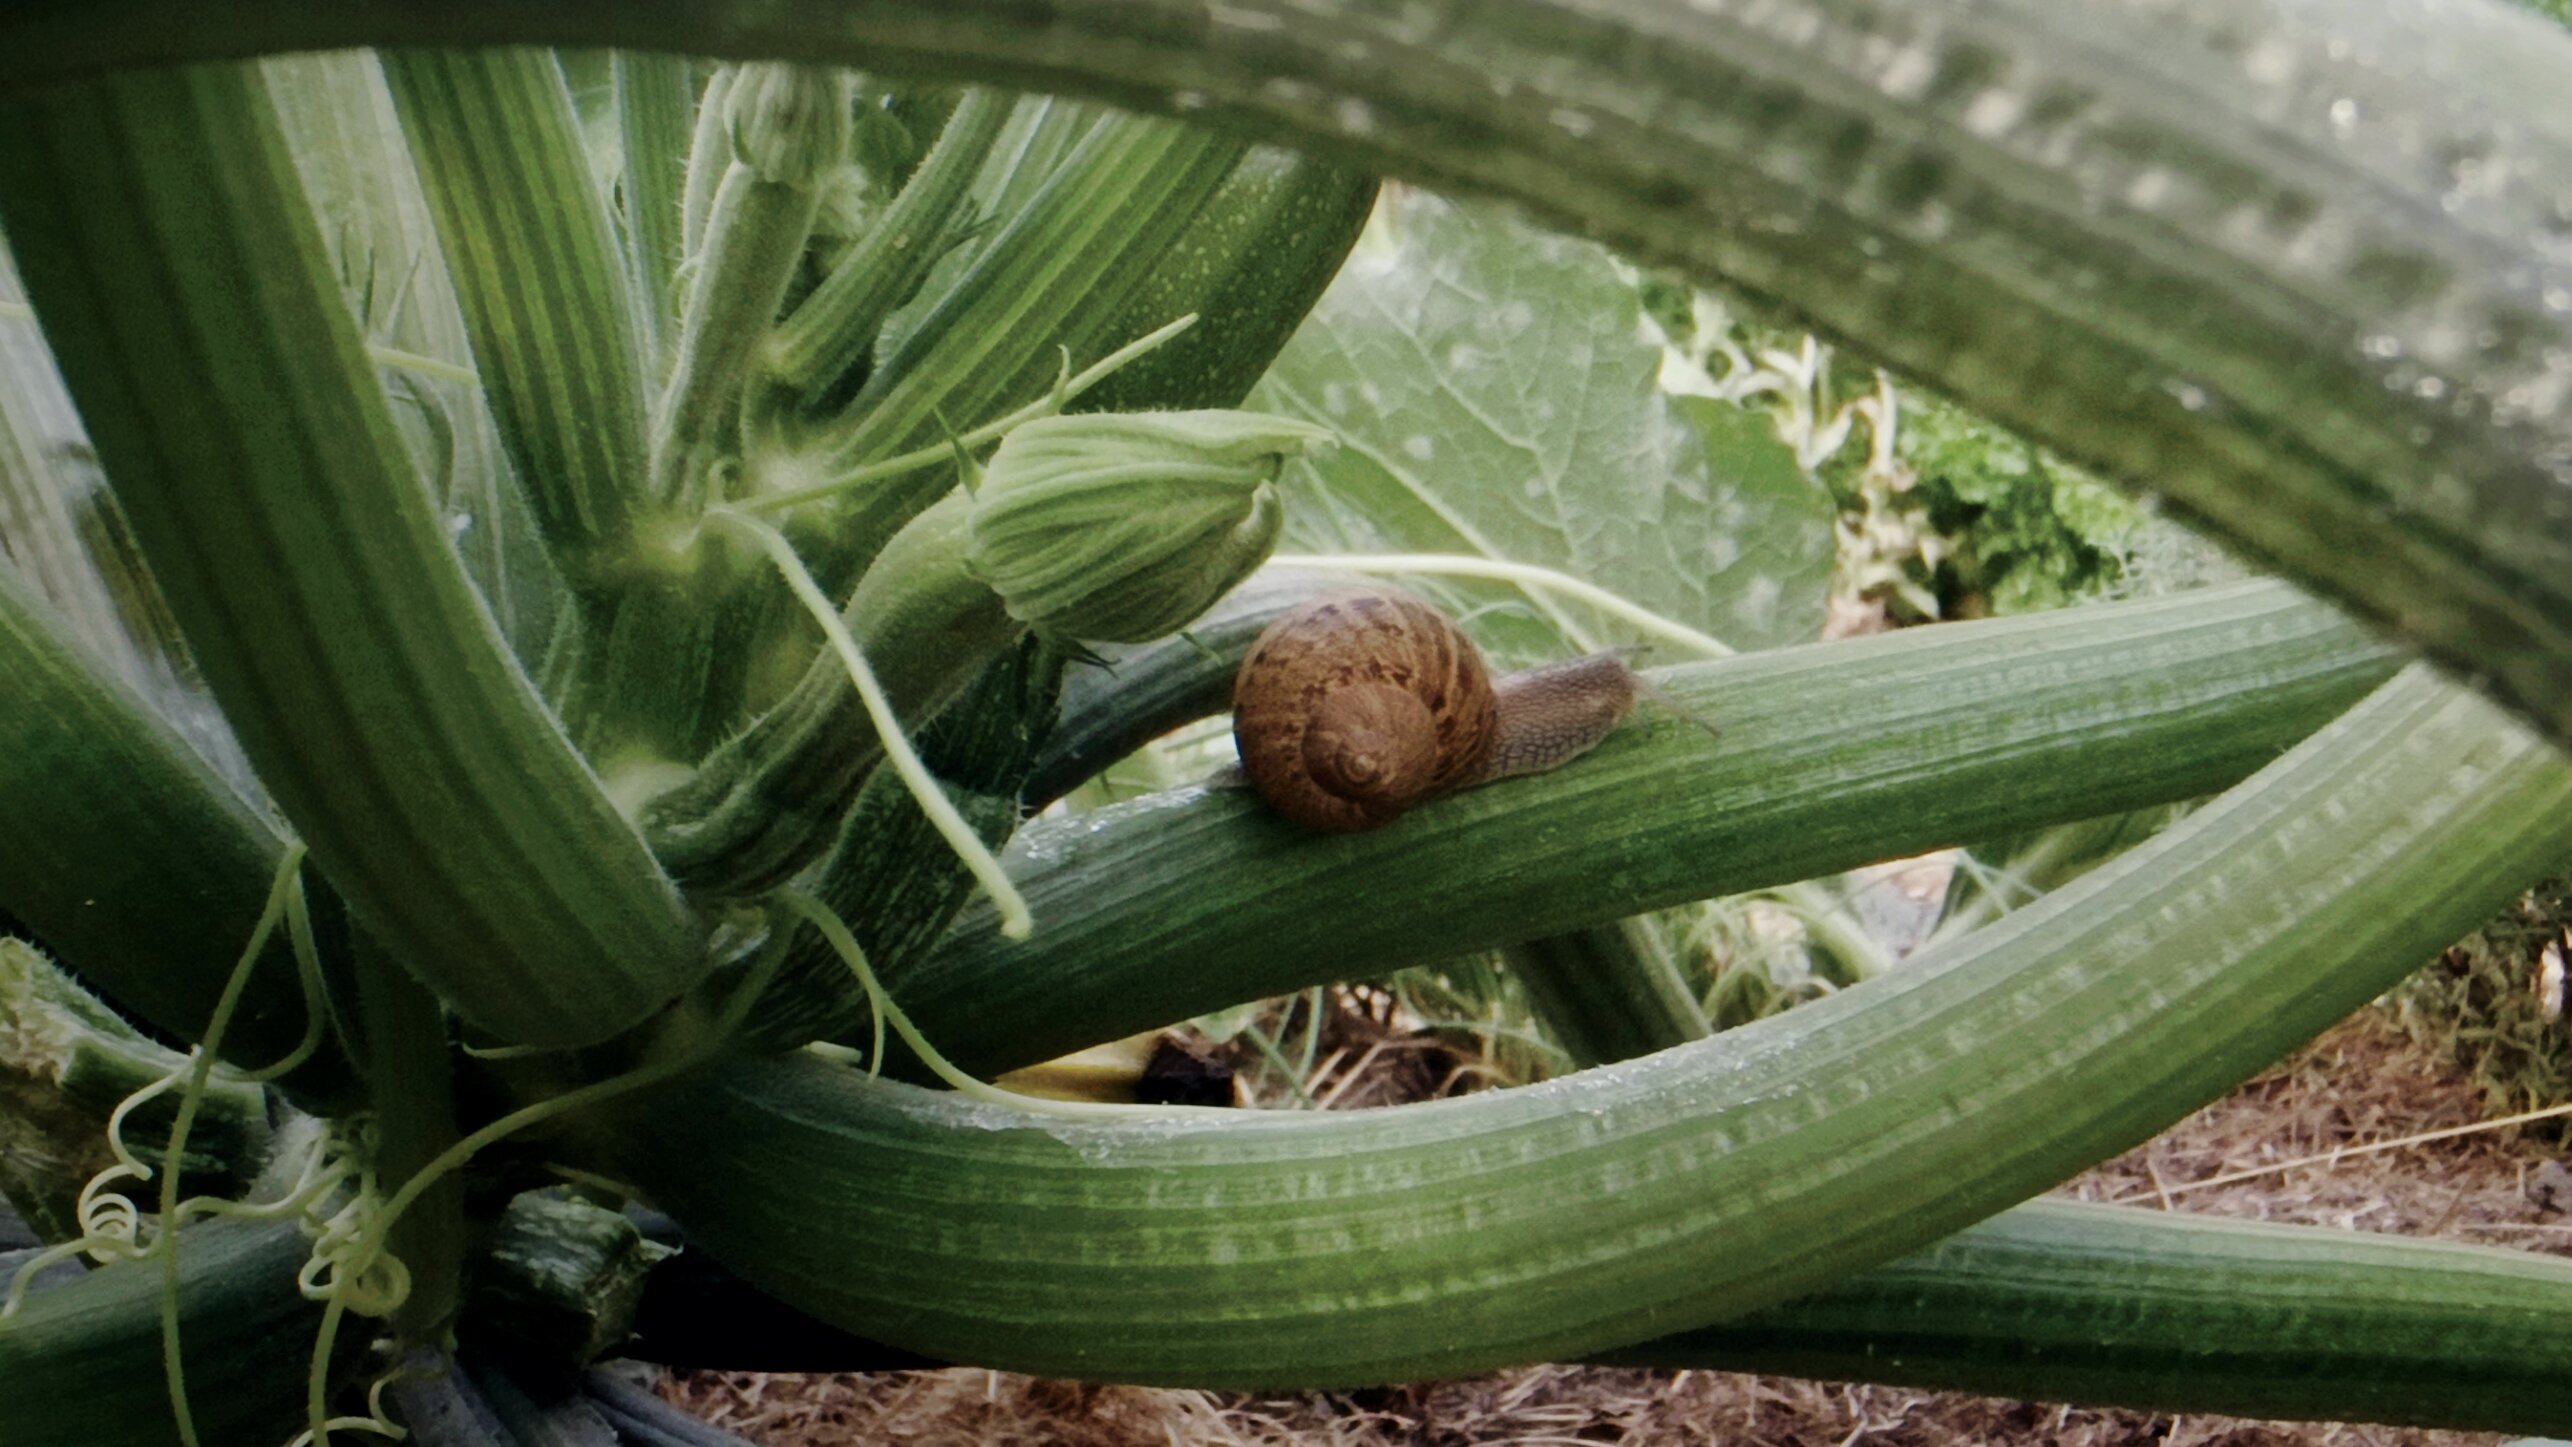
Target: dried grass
2362	1082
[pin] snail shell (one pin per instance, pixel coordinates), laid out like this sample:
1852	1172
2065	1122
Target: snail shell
1352	708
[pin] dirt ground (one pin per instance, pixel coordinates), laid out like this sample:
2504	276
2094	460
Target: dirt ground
2364	1082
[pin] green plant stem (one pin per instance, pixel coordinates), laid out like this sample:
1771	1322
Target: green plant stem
2057	1300
1296	1249
756	225
1051	281
1609	992
656	102
1068	387
166	242
832	330
76	1357
892	735
410	1080
67	1063
2285	262
560	1280
546	296
709	156
1251	266
1827	757
890	876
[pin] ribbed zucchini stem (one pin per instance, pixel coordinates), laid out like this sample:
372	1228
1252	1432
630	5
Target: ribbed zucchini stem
547	298
166	239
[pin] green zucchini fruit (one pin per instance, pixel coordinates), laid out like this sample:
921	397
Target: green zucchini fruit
1286	1250
1826	757
1249	267
2117	1306
81	1361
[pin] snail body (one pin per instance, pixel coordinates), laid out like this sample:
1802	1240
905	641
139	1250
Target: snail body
1351	709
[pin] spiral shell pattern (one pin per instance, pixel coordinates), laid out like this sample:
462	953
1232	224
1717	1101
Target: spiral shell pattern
1352	708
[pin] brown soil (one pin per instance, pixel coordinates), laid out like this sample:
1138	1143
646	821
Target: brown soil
2361	1083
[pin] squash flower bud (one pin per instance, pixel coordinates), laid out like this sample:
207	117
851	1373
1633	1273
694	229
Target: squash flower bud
790	123
1121	527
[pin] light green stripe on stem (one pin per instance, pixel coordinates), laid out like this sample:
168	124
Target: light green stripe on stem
168	247
1823	758
546	297
1296	1250
656	104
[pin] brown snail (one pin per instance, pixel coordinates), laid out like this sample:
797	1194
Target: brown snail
1353	708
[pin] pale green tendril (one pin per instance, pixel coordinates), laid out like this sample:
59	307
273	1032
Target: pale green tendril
1015	921
836	932
376	1419
1066	387
111	1225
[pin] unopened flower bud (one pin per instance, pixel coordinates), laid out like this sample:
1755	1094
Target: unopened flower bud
790	123
1122	527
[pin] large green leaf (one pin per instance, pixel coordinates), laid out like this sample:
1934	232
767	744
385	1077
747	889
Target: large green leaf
1496	391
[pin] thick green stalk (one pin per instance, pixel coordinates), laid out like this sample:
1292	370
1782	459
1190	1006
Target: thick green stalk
365	187
560	1280
130	858
2115	1306
410	1088
1268	241
1041	132
1295	1249
42	490
66	1063
656	106
1825	757
665	678
535	262
168	248
709	156
769	801
2290	262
